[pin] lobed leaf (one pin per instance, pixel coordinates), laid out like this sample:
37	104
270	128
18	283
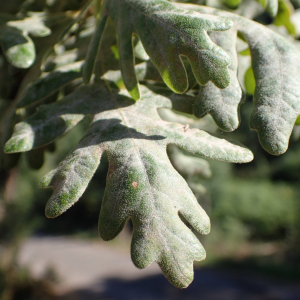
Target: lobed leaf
141	182
17	46
222	104
33	25
276	68
167	33
49	83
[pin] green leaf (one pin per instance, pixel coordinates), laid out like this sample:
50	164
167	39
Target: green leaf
249	82
206	123
141	182
167	33
189	166
49	83
33	25
8	118
115	50
233	4
93	49
18	48
272	7
283	17
245	52
276	68
75	19
139	51
222	104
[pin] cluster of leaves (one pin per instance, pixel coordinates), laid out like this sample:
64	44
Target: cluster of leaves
120	88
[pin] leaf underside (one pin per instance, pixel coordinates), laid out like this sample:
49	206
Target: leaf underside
141	182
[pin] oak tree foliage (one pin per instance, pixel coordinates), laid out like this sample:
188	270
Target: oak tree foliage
119	63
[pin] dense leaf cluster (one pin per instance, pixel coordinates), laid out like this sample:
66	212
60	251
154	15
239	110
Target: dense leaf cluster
171	56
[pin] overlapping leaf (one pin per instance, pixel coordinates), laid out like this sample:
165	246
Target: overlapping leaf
189	166
276	68
284	16
166	33
49	83
233	4
222	104
141	182
270	5
17	46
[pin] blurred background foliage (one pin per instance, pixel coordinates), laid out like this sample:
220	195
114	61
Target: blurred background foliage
254	208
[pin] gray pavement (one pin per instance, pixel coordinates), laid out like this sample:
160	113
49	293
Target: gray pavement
94	270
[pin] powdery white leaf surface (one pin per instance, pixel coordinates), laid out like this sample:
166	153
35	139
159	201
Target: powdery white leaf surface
276	68
168	32
17	46
141	182
222	104
33	25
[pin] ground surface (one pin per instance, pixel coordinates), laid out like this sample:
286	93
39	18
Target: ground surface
94	270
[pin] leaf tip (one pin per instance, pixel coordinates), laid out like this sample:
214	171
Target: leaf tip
46	181
248	155
135	93
17	145
180	279
58	204
223	81
274	147
52	212
206	230
185	284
